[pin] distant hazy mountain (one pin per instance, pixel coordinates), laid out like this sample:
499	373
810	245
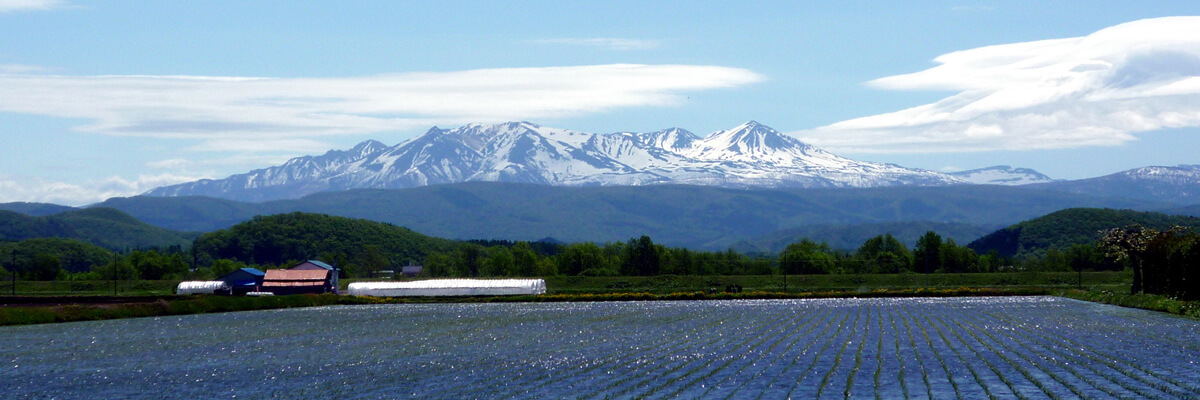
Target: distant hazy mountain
749	155
104	227
676	215
34	209
1178	185
1002	175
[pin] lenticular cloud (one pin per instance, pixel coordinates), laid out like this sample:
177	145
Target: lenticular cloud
1093	90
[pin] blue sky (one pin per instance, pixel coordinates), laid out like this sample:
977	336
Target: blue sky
102	99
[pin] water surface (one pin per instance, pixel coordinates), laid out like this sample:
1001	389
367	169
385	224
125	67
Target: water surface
1022	347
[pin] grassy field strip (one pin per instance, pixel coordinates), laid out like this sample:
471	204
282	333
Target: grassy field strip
614	348
739	365
991	384
730	351
1118	374
1088	385
1115	355
775	381
827	340
938	379
684	326
838	356
755	385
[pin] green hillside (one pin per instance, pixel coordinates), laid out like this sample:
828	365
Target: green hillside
1065	228
73	255
276	239
104	227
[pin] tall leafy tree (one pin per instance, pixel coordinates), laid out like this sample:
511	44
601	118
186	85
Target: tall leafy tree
927	255
807	257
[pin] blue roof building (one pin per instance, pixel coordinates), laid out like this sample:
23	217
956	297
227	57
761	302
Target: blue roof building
243	280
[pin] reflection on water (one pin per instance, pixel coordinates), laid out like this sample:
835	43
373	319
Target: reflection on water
890	348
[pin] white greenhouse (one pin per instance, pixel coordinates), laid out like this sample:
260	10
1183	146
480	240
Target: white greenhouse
201	287
449	287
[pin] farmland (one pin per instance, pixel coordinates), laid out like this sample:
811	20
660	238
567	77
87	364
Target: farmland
1011	347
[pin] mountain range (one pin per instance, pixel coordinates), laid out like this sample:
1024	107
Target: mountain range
750	155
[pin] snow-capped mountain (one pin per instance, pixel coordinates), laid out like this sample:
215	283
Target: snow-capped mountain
1177	185
1002	175
749	155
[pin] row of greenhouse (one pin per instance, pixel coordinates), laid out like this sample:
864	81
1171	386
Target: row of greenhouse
316	277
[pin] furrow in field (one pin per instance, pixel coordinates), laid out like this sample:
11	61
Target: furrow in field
805	385
756	385
974	385
1102	365
937	379
775	386
829	383
737	371
1020	357
999	369
701	371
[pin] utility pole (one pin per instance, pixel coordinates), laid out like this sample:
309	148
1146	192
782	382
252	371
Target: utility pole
13	265
114	268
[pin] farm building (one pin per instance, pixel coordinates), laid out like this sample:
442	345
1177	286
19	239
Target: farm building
314	265
298	281
411	271
201	287
243	280
450	287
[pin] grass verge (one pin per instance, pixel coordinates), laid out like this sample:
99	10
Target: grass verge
1151	302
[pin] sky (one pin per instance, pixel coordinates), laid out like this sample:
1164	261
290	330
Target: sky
103	99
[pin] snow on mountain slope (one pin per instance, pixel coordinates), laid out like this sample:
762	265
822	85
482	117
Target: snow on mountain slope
749	155
1002	175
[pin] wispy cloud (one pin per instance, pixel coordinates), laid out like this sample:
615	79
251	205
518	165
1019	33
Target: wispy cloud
85	193
23	5
271	114
23	69
1099	89
608	43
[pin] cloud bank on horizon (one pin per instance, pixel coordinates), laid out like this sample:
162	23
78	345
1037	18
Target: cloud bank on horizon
274	114
1095	90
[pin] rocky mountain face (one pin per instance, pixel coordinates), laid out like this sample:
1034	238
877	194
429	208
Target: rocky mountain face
750	155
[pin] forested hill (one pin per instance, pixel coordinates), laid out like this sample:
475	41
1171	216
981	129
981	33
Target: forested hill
1069	227
34	209
283	238
104	227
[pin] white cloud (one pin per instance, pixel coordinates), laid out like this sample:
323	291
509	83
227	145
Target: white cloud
1094	90
609	43
22	69
273	114
90	192
19	5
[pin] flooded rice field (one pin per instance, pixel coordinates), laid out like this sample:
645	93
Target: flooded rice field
1022	347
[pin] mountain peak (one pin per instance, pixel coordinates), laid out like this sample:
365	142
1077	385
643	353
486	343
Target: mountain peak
749	155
